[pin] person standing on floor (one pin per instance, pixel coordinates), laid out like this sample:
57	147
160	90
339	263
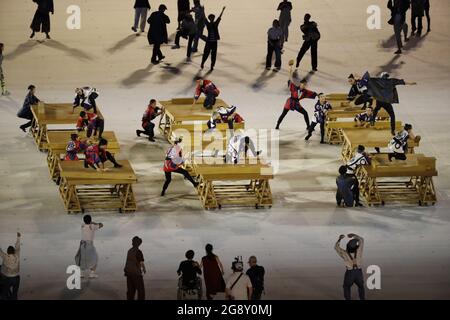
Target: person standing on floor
25	111
298	92
311	36
417	13
274	44
239	286
320	114
426	7
398	20
157	33
384	90
174	162
183	6
141	8
150	114
212	24
200	22
41	19
285	8
256	274
188	30
2	76
134	271
10	271
352	257
86	257
212	273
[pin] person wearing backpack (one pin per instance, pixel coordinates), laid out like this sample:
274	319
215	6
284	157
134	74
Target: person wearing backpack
239	286
352	257
134	270
311	36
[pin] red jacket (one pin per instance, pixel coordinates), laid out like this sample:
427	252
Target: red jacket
148	116
206	88
297	94
82	123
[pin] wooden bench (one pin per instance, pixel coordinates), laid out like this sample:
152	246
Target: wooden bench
45	114
86	189
369	138
351	113
334	129
181	116
408	181
56	145
243	184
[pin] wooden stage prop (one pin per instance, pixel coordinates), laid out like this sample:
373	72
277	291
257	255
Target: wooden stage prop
408	181
369	138
181	118
86	189
244	184
334	129
45	114
57	142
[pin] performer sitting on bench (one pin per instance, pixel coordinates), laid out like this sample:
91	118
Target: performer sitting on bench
92	122
85	97
298	92
359	91
237	145
74	147
361	158
364	119
97	155
320	113
399	143
209	89
173	163
225	115
346	192
149	115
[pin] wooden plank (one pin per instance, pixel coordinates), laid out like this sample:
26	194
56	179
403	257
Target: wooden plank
371	138
75	170
57	113
57	140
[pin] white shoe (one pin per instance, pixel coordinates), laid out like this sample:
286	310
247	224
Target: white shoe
93	275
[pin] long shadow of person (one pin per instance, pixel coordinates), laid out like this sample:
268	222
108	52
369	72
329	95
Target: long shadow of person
21	49
122	43
137	76
172	71
389	43
260	82
74	52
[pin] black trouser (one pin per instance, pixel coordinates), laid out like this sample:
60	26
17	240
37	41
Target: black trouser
427	14
157	54
419	24
210	48
355	188
180	171
389	109
364	99
109	157
10	287
200	28
305	47
149	130
322	129
301	110
271	48
210	100
354	276
98	128
257	293
399	26
190	41
347	198
135	283
26	125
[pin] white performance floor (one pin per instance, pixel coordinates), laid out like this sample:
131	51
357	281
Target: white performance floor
294	240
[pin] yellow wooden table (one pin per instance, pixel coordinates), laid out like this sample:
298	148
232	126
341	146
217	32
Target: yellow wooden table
86	189
181	118
334	129
408	181
57	143
243	184
351	113
369	138
45	114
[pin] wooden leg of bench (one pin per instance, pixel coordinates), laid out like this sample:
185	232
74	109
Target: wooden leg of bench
70	197
127	197
427	193
346	151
